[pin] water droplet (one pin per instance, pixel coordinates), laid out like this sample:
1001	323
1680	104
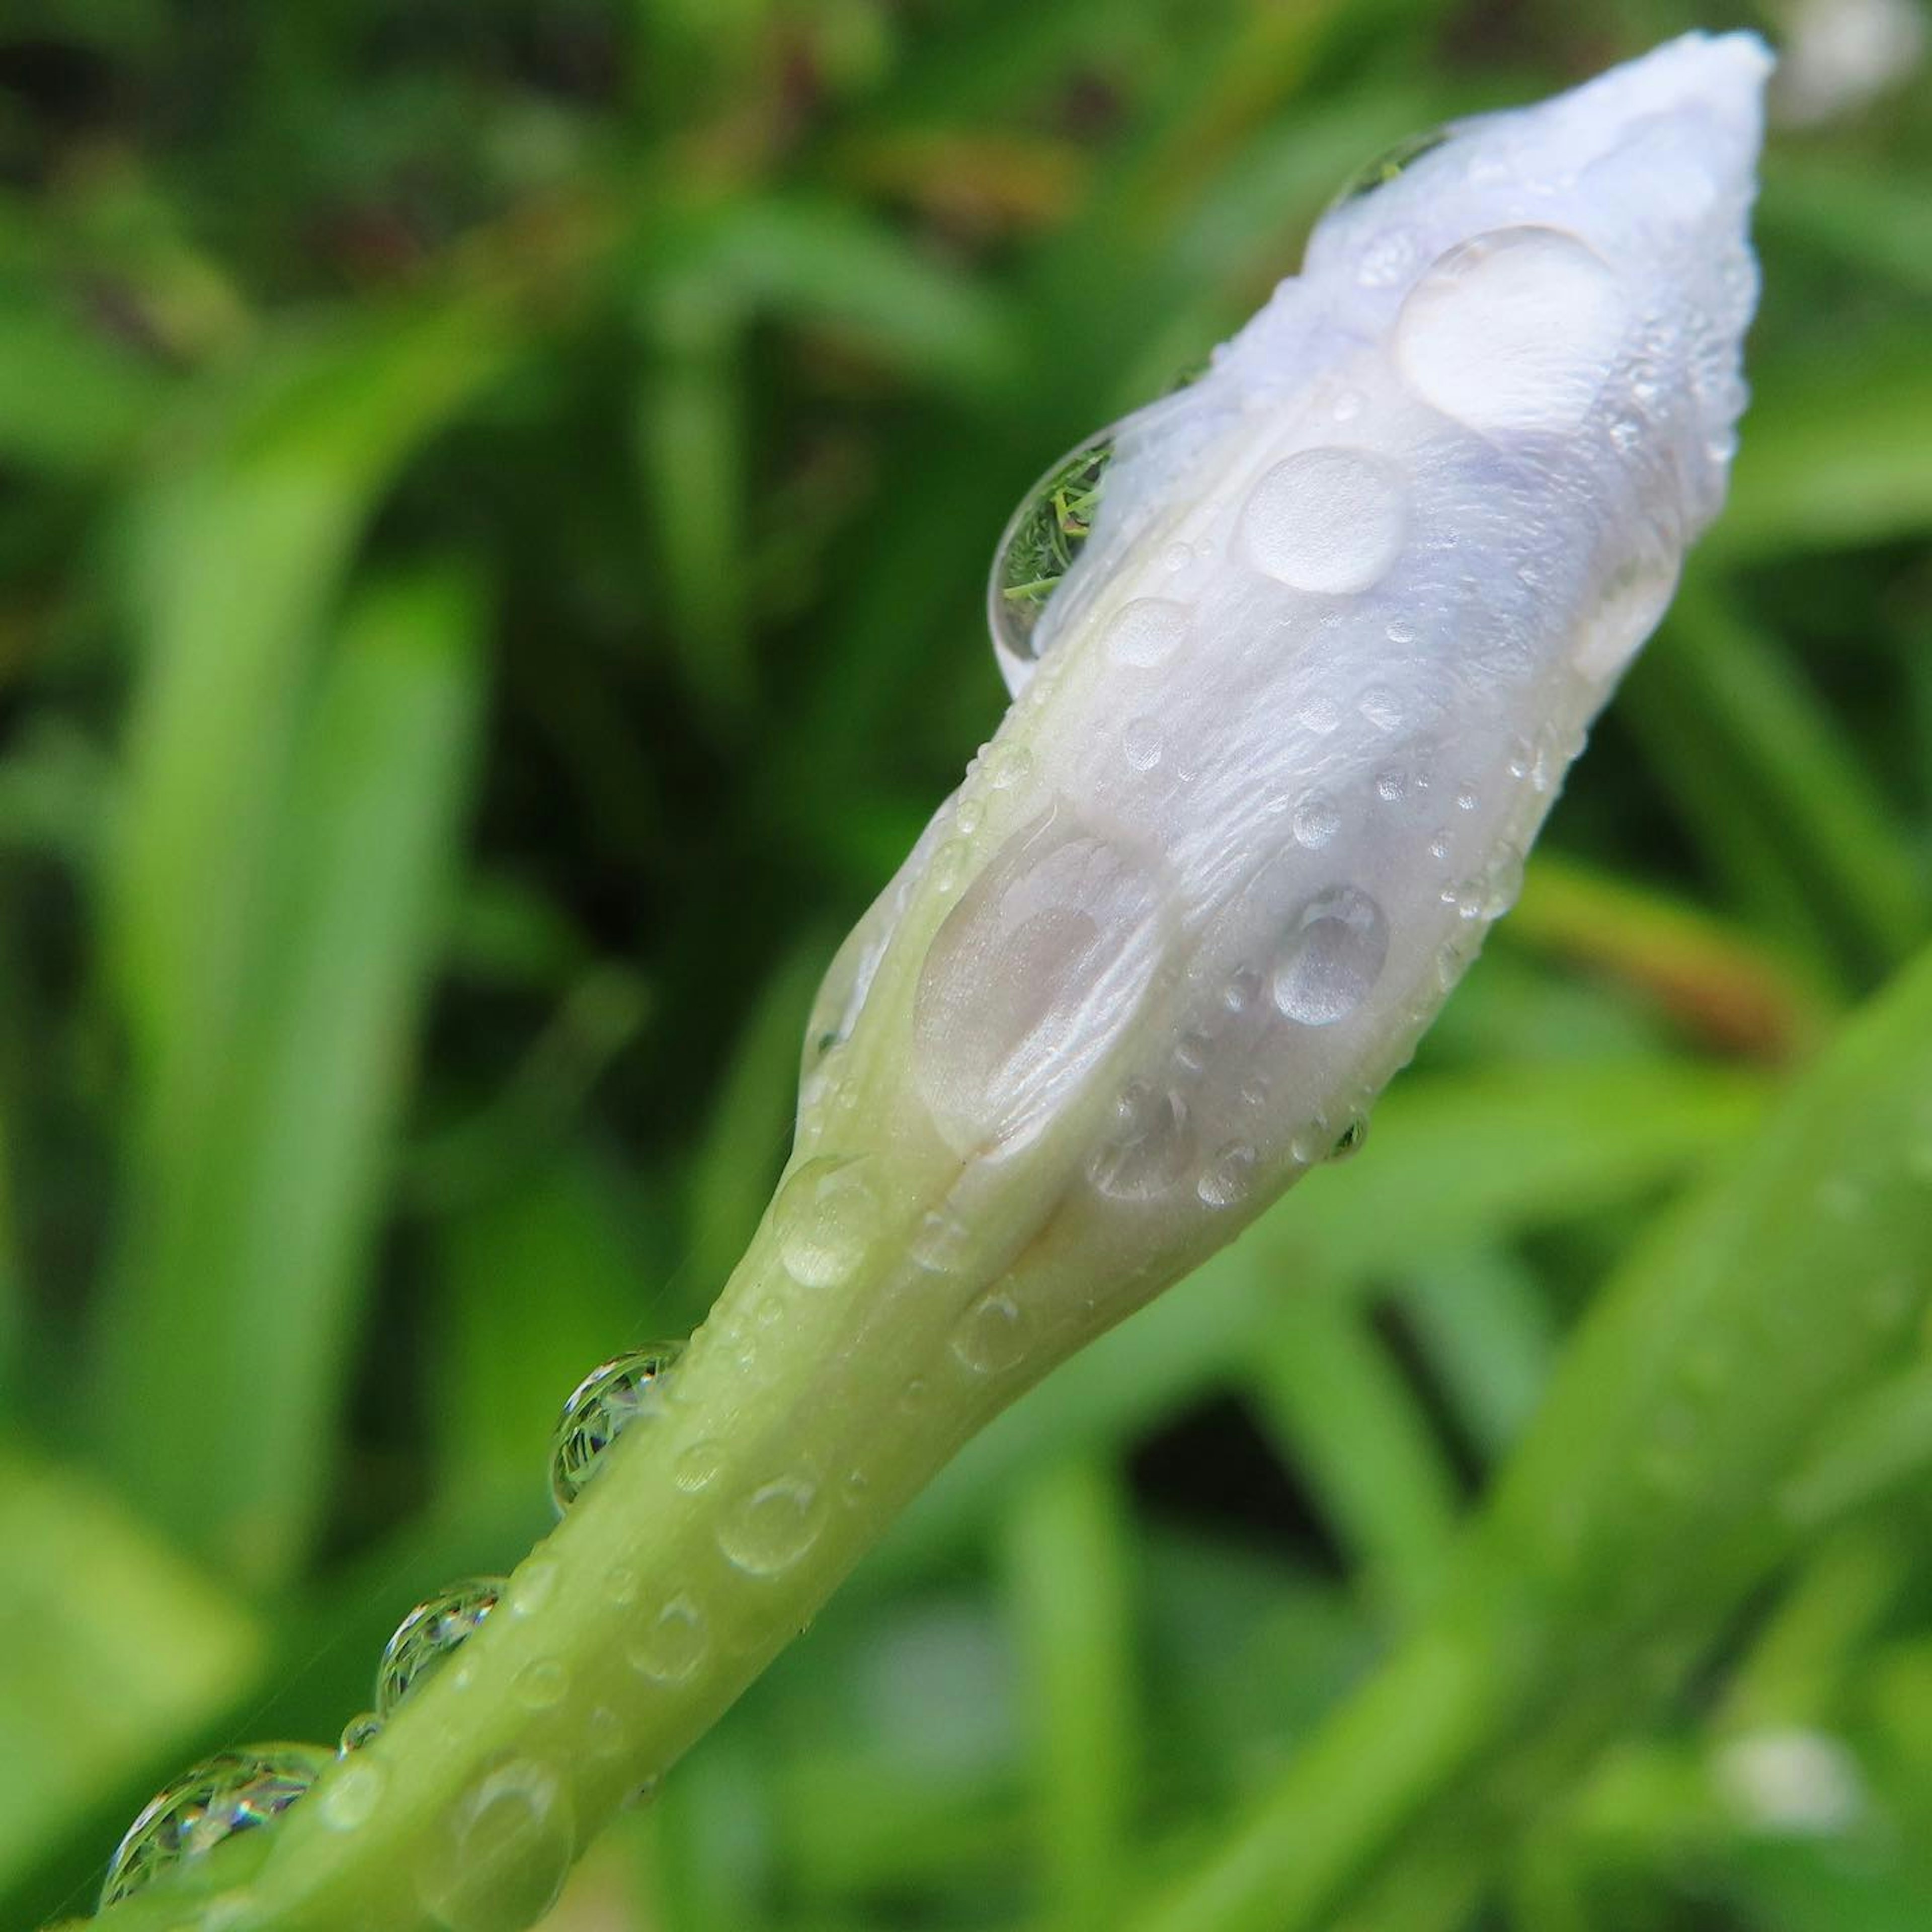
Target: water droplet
232	1791
1176	557
1382	707
1317	819
1041	543
670	1647
604	1732
364	1728
1319	715
1228	1177
1630	606
1467	800
1515	331
1147	631
1243	989
696	1467
1392	788
499	1859
1400	631
1140	744
1031	979
531	1586
993	1334
1352	1139
827	1218
1389	165
1328	520
1008	765
601	1407
428	1636
542	1684
1332	956
1152	1146
774	1526
948	866
349	1797
1347	405
622	1583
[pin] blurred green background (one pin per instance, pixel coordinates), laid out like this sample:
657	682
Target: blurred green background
496	498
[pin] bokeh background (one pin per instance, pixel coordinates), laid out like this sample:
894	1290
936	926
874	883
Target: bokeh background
496	500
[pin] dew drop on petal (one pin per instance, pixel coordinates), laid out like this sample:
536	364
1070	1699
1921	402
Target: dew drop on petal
774	1526
992	1335
1328	520
431	1633
669	1648
232	1791
1147	631
1041	545
1228	1177
1515	331
1317	819
827	1218
1331	956
601	1407
1151	1148
499	1861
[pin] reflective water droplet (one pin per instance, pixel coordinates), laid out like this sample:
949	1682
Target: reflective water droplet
1141	744
232	1791
427	1637
542	1684
1630	606
1031	979
349	1797
669	1648
601	1407
1317	819
1147	631
1394	161
1152	1146
1041	543
1008	765
531	1584
1329	520
948	866
1228	1177
1331	956
1515	331
1392	788
1502	882
364	1728
774	1526
1382	707
992	1335
1352	1139
1243	989
827	1218
1467	800
499	1859
1319	715
697	1466
1400	631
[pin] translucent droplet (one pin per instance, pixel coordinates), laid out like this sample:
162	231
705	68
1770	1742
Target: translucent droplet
1331	956
1352	1139
1630	606
1515	331
1329	520
1042	542
1151	1148
669	1648
1141	744
499	1859
363	1729
992	1335
601	1407
697	1466
1389	165
1147	631
1317	819
349	1797
232	1791
773	1527
827	1218
1228	1177
542	1684
427	1637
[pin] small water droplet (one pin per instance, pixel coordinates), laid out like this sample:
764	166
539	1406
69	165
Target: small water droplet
1382	707
697	1466
1347	405
827	1218
622	1583
1141	744
1400	631
1152	1147
232	1791
992	1335
608	1400
429	1635
1329	521
1176	557
1147	631
948	866
1008	765
604	1732
499	1860
364	1728
1392	788
1317	819
669	1648
1332	956
1228	1177
774	1526
1243	989
349	1797
1350	1141
542	1684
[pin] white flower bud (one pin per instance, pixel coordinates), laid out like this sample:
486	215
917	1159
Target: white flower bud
1299	656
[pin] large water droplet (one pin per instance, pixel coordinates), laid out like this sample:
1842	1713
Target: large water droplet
1032	978
1330	957
427	1637
1394	162
351	1796
232	1791
501	1857
601	1407
1514	331
827	1218
774	1526
1045	536
1328	520
672	1645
